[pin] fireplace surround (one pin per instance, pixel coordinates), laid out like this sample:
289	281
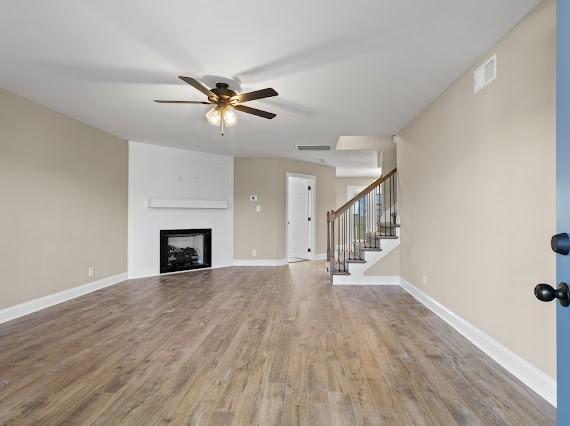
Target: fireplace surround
185	249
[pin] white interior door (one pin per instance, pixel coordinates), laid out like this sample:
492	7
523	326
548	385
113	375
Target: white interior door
298	229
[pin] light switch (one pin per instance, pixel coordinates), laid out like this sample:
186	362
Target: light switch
258	208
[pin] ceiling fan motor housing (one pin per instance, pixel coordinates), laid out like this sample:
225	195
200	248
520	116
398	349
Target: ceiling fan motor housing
223	92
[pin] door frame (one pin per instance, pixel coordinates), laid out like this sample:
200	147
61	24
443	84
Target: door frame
312	212
562	205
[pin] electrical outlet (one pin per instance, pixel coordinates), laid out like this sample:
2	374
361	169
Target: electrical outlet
254	252
424	281
91	271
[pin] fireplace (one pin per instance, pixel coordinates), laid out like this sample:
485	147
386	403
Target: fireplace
185	249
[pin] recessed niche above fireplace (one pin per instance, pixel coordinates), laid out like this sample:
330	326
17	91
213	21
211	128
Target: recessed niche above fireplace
185	249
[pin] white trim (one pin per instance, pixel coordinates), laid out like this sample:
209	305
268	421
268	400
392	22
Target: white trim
17	311
260	262
313	209
534	378
367	280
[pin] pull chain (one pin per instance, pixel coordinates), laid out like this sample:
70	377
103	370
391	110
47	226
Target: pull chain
222	114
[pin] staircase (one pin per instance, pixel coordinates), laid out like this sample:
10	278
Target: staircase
363	230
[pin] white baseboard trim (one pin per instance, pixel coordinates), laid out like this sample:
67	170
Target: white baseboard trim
534	378
321	256
367	280
260	262
17	311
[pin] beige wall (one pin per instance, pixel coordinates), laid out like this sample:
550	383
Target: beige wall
387	158
265	231
344	182
477	176
389	265
64	202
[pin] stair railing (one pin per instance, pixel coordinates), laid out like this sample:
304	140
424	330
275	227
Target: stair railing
361	223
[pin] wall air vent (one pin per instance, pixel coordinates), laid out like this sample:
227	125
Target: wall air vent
485	74
313	147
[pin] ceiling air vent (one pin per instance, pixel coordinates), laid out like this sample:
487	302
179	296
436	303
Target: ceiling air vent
485	74
313	147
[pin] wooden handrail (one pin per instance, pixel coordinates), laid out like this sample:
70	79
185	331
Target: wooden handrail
361	194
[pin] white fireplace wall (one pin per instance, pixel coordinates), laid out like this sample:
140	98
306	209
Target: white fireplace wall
169	173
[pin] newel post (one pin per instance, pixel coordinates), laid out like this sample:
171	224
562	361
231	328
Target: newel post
328	235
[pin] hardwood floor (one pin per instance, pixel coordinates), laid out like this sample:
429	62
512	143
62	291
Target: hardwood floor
251	346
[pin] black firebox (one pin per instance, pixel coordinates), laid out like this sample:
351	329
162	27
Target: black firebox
185	249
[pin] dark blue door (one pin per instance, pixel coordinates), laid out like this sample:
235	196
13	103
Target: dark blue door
563	205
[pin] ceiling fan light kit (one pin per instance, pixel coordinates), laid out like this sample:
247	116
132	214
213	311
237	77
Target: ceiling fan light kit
218	117
226	102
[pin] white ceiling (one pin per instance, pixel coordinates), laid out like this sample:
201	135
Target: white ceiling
358	67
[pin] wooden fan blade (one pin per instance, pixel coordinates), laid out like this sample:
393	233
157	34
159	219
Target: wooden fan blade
254	111
258	94
160	101
197	85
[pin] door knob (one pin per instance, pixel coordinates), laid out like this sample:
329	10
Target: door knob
547	293
560	243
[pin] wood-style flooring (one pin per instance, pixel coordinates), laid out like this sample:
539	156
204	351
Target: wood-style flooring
246	346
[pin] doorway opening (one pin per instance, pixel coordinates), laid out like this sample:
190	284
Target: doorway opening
300	217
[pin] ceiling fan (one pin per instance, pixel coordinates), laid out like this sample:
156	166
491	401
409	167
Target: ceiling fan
225	101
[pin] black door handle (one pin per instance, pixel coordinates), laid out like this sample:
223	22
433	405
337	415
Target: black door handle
560	243
547	293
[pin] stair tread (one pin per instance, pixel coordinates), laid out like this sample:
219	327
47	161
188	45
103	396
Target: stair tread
341	273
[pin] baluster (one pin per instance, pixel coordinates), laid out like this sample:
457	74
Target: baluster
328	237
371	220
391	202
377	216
343	244
337	243
340	247
352	231
363	214
367	219
384	207
342	239
396	198
347	247
369	214
378	212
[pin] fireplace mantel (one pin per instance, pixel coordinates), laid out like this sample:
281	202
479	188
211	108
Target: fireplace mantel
185	203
